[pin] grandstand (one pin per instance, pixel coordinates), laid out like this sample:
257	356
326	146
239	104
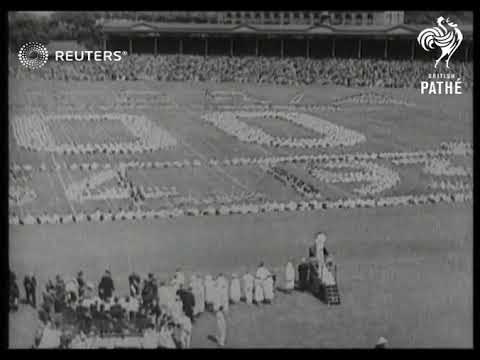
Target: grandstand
278	34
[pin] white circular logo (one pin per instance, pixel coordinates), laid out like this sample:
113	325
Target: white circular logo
33	55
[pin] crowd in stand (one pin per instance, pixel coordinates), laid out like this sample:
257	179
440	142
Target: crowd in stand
74	312
249	69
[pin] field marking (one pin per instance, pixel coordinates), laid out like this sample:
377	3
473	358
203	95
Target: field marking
64	131
283	151
297	98
338	189
217	167
204	158
52	186
57	170
109	202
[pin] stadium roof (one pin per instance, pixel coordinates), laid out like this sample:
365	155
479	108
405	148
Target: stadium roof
144	27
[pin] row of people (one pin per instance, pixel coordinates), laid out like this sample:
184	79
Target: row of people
157	313
158	304
332	135
32	133
395	157
270	206
258	69
378	178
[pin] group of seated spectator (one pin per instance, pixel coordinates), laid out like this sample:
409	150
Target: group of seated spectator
249	69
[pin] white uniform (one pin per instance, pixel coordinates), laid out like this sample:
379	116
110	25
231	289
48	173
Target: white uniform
319	246
186	336
222	283
177	309
235	293
248	284
268	288
179	278
289	277
201	295
50	338
165	339
209	290
258	291
132	305
262	273
221	328
327	277
216	295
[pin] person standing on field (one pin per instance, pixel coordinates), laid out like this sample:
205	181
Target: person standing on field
248	284
289	277
221	327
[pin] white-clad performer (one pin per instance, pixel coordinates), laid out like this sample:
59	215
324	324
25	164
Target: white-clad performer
289	277
248	285
209	292
235	293
258	291
319	248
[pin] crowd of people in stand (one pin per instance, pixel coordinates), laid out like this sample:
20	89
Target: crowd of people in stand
77	314
249	69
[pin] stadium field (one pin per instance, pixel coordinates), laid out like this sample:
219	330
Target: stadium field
404	272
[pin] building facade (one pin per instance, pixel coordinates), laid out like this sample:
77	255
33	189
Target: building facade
282	34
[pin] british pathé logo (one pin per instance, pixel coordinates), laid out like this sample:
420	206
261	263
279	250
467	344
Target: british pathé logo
446	39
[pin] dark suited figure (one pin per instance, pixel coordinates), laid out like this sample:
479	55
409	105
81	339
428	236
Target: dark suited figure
60	294
30	284
106	287
117	315
14	292
303	275
81	284
188	301
134	283
149	291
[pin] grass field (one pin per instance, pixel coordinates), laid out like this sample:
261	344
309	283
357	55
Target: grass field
405	273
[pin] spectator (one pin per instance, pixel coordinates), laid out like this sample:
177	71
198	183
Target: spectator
303	275
14	292
60	294
221	327
30	284
81	284
248	285
279	71
134	283
289	277
188	301
106	286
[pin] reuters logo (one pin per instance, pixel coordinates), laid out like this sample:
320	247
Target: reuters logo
33	55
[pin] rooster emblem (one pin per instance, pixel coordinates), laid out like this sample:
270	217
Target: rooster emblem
447	40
